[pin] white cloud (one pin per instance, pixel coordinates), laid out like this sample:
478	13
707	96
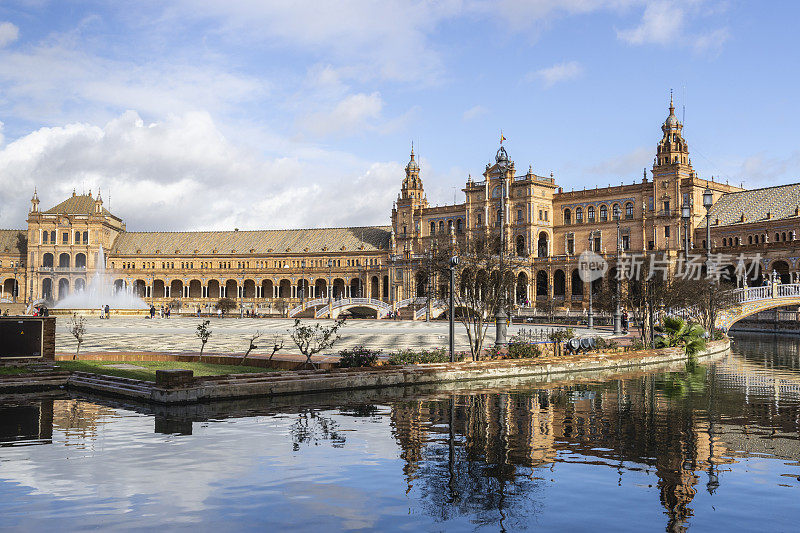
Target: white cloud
662	22
665	23
8	33
557	73
182	173
355	113
474	112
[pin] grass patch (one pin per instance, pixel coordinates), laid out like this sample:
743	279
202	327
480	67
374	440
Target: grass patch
14	370
148	373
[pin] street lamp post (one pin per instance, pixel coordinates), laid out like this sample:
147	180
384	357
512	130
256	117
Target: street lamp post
590	316
330	285
708	201
451	310
686	212
302	283
501	316
14	288
618	295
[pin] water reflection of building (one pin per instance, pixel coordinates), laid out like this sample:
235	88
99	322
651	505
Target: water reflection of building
79	420
26	422
673	423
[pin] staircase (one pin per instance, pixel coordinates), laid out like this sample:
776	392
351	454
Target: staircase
111	385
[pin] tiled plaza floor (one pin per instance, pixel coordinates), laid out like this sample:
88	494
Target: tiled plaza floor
230	335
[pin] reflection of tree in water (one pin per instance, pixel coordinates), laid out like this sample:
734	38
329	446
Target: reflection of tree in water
312	427
466	465
361	411
479	455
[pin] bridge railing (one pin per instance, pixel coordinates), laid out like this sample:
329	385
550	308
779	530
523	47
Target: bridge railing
766	292
310	303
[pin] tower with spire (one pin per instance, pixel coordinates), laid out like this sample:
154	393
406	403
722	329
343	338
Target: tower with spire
35	202
407	211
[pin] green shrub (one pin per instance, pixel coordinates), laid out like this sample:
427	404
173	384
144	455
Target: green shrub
638	345
523	350
602	343
416	357
357	357
494	351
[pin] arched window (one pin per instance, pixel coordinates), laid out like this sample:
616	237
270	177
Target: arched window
615	210
433	228
749	239
603	213
449	226
45	236
737	241
441	226
77	237
629	210
578	215
567	217
497	191
53	236
459	227
85	237
590	214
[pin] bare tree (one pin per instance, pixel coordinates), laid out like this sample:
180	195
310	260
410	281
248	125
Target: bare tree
484	282
77	327
313	339
277	345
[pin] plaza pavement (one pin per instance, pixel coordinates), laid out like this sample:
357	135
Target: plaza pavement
230	335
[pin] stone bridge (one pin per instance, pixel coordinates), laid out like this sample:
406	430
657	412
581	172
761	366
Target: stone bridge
752	300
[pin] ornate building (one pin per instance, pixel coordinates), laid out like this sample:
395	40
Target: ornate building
543	227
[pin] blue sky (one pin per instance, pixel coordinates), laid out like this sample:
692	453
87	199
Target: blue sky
200	115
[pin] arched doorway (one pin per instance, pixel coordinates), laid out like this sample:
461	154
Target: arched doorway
195	289
338	288
522	289
559	284
80	284
47	260
374	287
541	284
158	288
355	288
231	289
267	288
63	288
782	268
302	288
63	261
248	289
385	287
140	288
47	289
321	288
80	260
119	285
213	288
285	289
542	245
176	289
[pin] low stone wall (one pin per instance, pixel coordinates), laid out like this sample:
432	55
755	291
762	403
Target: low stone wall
304	382
257	362
95	313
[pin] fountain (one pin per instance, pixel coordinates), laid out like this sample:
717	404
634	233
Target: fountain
101	292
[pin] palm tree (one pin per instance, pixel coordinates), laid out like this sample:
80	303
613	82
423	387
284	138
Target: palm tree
676	331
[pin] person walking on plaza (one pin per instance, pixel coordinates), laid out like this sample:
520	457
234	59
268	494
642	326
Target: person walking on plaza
108	309
625	321
152	311
101	312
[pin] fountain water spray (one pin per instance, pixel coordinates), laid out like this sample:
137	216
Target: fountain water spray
101	291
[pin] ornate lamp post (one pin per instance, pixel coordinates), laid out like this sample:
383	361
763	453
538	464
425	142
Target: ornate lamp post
590	316
618	296
451	310
686	212
501	316
330	284
708	201
303	283
14	288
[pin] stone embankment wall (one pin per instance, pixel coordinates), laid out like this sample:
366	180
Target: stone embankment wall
243	385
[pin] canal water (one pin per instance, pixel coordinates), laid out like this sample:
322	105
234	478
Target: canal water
714	447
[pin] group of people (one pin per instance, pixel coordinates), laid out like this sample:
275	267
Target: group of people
163	311
105	311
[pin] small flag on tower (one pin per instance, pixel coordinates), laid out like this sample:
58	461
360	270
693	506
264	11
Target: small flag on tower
501	137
